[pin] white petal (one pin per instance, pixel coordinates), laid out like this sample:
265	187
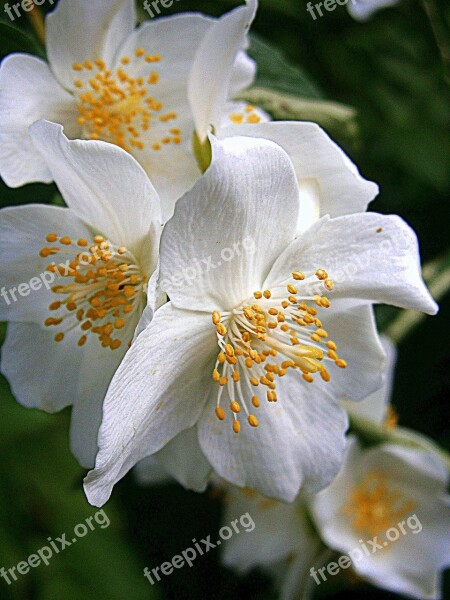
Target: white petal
183	459
173	171
233	223
361	10
244	72
374	407
28	92
280	530
95	374
103	185
352	327
42	374
299	441
380	264
211	74
22	236
157	392
341	189
82	29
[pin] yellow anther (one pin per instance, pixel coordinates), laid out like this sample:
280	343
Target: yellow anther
331	345
257	295
307	377
298	276
329	284
267	294
253	421
254	381
236	375
229	350
342	364
272	396
216	317
221	329
321	274
235	407
221	358
220	413
59	337
255	401
325	375
292	289
223	381
216	375
236	426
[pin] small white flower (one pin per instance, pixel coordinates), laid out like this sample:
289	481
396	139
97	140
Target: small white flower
362	10
394	496
265	341
283	542
65	339
106	80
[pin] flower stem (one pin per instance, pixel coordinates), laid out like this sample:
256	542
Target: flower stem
373	433
37	22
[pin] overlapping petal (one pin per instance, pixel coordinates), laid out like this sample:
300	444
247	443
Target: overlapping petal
369	256
82	29
228	230
164	377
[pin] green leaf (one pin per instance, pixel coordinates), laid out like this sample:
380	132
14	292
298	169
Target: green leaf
13	39
276	73
41	496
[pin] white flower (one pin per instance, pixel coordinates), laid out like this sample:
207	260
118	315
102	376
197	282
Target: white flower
329	182
184	371
74	279
283	542
107	80
362	10
394	496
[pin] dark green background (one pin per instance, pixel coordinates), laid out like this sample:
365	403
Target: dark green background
390	70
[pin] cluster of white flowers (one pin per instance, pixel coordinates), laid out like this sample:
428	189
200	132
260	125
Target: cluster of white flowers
240	374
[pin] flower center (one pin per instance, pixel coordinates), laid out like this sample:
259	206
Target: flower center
104	288
373	506
119	107
248	115
271	325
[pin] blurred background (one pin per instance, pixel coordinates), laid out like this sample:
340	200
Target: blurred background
389	78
